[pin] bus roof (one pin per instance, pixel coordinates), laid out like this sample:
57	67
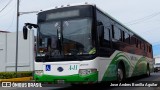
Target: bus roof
68	5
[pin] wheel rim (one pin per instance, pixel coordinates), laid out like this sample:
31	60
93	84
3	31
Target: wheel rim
120	74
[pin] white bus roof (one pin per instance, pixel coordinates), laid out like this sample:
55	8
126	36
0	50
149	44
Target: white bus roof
68	5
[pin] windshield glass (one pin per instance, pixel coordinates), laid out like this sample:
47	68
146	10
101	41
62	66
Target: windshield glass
77	37
65	38
48	38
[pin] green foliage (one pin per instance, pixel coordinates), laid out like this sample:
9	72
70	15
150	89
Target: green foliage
7	75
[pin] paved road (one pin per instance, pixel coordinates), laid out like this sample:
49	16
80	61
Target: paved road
152	80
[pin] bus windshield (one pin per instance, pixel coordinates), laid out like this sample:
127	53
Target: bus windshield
65	38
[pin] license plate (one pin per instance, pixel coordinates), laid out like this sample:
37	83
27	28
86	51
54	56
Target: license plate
60	82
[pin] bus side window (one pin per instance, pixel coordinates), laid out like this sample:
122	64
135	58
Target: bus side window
106	41
113	32
100	31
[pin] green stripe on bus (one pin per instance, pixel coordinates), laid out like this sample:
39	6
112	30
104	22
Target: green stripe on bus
138	69
111	73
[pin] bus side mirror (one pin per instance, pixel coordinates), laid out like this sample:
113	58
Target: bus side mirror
25	32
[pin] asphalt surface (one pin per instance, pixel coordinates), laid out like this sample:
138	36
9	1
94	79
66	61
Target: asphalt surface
136	83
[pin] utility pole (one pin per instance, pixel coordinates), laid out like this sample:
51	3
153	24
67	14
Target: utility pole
17	26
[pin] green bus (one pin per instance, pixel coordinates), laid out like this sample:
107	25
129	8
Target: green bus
83	44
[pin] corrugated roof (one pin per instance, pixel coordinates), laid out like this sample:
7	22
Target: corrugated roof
3	31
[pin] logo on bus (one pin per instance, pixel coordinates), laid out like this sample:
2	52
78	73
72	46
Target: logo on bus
48	67
73	67
60	69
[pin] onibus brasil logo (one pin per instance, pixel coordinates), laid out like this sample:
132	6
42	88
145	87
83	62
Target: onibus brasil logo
17	84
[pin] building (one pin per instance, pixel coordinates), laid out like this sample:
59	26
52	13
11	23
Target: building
4	31
8	51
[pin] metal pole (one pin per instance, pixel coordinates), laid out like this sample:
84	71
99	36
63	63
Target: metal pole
17	25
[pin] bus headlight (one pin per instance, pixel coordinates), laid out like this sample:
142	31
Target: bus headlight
39	72
87	71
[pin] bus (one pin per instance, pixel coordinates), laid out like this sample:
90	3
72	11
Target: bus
83	44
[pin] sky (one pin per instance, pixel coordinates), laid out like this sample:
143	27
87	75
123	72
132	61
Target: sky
141	16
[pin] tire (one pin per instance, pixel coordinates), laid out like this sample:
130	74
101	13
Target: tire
120	74
147	71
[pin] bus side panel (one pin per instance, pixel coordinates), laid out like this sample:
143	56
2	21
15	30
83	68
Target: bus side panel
135	65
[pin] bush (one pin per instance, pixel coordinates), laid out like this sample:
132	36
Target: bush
7	75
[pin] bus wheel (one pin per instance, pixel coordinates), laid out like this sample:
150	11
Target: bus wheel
148	71
120	74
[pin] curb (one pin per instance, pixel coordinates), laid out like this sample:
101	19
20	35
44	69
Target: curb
17	79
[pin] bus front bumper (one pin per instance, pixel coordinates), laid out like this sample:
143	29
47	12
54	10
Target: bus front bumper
76	78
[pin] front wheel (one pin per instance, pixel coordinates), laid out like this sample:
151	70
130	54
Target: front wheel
147	71
120	74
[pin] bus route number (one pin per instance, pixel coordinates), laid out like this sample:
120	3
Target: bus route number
73	67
